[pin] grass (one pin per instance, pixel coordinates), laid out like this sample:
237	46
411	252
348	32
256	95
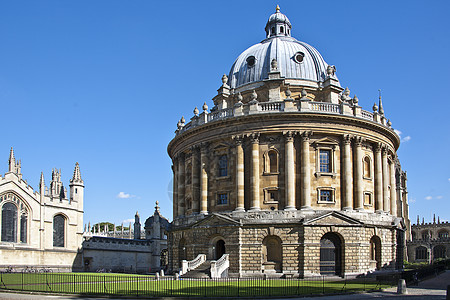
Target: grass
125	284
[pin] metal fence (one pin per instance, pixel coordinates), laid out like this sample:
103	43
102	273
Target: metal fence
151	286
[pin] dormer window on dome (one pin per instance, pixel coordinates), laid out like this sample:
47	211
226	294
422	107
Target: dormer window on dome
298	57
278	25
251	60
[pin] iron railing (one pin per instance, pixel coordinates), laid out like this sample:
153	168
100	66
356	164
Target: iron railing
167	286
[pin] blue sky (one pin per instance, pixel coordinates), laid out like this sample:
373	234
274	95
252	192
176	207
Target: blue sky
105	82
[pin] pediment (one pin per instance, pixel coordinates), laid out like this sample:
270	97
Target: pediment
326	141
333	218
216	220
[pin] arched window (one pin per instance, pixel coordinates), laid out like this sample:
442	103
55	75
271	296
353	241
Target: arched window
271	162
272	254
59	230
189	174
439	252
223	166
9	223
281	29
421	253
413	236
367	170
23	228
274	31
425	235
443	234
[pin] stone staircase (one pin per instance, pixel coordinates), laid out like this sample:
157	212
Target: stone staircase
202	271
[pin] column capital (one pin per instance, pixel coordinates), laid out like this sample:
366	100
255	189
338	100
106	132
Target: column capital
204	147
195	148
254	137
359	141
238	139
384	149
180	156
346	139
377	147
289	135
306	135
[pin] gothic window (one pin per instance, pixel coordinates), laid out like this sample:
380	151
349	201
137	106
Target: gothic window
222	198
23	228
223	166
59	230
443	234
439	251
367	170
413	236
9	223
424	235
421	253
324	161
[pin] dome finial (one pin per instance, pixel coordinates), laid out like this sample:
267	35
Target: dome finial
278	8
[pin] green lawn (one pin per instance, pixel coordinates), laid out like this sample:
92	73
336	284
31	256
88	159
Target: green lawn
125	284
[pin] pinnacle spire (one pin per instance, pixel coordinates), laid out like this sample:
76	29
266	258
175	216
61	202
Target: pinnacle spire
76	175
277	8
41	181
12	160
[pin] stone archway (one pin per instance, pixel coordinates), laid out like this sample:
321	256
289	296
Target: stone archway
331	255
272	254
219	249
375	251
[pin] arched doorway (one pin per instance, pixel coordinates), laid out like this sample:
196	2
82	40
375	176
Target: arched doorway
331	255
220	249
272	254
182	251
375	251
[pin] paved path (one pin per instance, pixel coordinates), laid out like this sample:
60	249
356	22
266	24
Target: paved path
433	288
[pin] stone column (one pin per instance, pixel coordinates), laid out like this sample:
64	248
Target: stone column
203	179
195	180
289	170
239	173
255	206
181	187
305	173
175	188
386	204
393	189
378	179
359	189
347	174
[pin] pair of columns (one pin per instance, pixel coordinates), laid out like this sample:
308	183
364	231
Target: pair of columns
384	176
289	172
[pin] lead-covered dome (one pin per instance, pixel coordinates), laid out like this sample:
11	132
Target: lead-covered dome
296	60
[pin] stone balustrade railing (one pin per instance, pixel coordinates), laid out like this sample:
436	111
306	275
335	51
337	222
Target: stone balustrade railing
291	106
186	265
220	267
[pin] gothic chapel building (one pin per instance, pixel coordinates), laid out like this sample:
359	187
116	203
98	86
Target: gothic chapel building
40	229
286	174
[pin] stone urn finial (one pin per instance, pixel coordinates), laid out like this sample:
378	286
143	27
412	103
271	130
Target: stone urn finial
355	100
389	123
254	95
179	124
331	70
224	79
240	98
303	93
375	108
274	64
183	120
196	111
288	92
205	107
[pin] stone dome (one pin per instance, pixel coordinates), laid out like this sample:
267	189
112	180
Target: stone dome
296	59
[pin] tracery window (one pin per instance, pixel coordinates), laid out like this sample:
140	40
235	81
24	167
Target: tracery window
59	231
23	228
223	166
421	253
9	222
443	234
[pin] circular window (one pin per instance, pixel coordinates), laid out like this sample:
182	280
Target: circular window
298	57
251	60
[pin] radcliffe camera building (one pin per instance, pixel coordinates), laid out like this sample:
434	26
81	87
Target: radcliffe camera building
286	174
